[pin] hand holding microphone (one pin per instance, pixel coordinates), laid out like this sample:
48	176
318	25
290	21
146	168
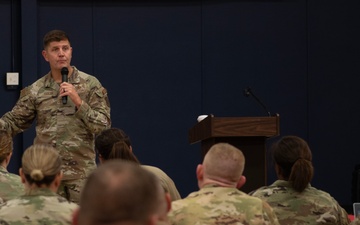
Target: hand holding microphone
68	90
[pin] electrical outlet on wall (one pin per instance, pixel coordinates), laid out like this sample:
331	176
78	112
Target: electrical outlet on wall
12	80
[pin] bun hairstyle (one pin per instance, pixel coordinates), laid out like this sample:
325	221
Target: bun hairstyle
40	164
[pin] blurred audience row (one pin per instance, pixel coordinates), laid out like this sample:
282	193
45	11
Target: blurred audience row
123	191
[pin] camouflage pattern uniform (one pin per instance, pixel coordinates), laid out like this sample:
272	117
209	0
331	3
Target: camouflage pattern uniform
166	182
10	185
221	205
71	131
312	206
41	206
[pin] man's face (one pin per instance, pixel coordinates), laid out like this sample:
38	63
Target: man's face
58	54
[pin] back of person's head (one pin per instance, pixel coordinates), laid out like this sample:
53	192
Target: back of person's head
293	158
118	192
121	150
54	35
107	138
224	162
41	164
6	145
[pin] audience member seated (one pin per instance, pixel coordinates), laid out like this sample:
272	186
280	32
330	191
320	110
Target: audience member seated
10	184
292	197
104	143
41	175
121	192
219	201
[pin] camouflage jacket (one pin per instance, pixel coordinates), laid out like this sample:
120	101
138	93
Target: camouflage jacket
10	185
166	182
356	221
71	131
42	206
221	205
312	206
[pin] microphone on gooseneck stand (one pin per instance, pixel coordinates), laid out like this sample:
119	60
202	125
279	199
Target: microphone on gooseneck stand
248	92
64	78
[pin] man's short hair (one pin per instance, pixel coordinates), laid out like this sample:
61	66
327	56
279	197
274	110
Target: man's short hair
54	35
119	191
224	161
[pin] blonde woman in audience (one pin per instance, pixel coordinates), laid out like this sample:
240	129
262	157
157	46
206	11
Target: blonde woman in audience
292	197
41	175
10	183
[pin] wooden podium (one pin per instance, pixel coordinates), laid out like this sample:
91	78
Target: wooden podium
249	134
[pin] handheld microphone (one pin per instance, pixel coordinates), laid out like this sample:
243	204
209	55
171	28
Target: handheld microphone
248	92
64	78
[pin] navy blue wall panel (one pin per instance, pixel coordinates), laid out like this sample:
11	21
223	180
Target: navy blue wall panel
149	57
334	94
9	63
262	45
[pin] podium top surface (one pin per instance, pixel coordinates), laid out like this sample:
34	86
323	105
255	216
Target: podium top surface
212	127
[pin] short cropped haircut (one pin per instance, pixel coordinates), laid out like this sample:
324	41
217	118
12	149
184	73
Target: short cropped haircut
224	161
119	191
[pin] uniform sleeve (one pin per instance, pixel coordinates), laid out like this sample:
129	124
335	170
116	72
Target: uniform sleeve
21	116
95	112
270	216
343	215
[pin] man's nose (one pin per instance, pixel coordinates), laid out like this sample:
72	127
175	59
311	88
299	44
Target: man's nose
61	52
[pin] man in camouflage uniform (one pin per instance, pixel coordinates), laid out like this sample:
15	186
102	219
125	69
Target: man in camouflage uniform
10	184
69	127
219	201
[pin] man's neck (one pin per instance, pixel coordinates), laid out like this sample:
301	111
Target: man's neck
56	74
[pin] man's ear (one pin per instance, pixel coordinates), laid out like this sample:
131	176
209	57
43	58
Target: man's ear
44	54
75	217
200	172
101	159
241	182
168	201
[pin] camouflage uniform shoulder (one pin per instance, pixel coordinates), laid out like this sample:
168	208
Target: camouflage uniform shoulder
221	205
90	79
92	82
34	87
37	210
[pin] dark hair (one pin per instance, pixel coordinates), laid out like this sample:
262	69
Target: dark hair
105	141
54	35
121	150
293	155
